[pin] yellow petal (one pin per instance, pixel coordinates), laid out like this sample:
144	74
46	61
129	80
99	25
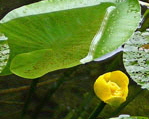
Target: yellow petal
119	78
101	86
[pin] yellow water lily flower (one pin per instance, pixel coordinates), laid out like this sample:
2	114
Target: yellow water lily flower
112	87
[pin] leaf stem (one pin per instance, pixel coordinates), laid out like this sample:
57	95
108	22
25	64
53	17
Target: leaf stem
22	88
83	106
50	92
97	110
47	96
30	94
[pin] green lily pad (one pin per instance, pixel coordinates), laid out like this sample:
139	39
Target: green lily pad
136	58
60	34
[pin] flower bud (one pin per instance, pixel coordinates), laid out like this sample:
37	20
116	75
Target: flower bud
112	87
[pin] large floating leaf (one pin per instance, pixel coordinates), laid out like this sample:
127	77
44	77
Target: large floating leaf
136	58
56	34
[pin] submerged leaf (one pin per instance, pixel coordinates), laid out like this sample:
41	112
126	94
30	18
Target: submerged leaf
136	58
67	33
